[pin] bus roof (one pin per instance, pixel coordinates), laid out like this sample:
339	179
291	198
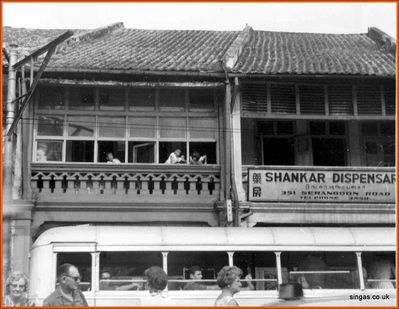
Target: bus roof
115	237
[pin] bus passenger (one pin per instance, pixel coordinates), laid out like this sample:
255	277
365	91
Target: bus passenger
229	281
106	284
196	274
16	290
157	281
381	270
312	262
67	292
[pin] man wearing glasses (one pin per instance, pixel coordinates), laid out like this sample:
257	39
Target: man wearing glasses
67	292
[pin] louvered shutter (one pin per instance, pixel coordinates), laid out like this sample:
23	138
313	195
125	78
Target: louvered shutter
389	93
283	98
311	99
254	98
368	100
340	100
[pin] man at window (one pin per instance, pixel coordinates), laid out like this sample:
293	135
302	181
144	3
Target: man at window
176	157
196	275
197	159
111	159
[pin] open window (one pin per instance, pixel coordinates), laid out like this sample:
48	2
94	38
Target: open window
83	262
124	271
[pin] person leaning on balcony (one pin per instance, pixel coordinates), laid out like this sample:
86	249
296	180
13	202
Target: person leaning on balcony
176	158
41	153
197	159
111	159
17	290
67	292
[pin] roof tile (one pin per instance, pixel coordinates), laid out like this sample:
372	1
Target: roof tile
314	53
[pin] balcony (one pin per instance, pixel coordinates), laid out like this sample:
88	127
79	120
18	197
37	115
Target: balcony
125	183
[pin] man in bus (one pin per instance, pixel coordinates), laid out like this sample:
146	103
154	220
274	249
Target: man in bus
67	292
196	276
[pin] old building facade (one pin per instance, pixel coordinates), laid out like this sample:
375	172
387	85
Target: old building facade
269	110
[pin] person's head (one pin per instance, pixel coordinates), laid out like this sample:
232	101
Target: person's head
177	152
229	278
105	275
41	153
110	156
68	277
17	284
196	273
196	155
157	279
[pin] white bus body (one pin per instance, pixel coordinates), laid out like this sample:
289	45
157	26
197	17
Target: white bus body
99	242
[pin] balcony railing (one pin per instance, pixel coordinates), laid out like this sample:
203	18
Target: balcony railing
124	182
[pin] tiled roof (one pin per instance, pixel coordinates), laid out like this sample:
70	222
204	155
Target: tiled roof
254	52
28	40
144	50
310	53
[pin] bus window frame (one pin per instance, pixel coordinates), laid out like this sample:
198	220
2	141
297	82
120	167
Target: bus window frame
95	251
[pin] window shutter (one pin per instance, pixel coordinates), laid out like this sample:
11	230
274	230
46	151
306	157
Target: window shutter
369	100
311	99
340	100
390	102
283	98
254	98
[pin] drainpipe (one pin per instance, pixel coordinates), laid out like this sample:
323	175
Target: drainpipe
230	194
8	159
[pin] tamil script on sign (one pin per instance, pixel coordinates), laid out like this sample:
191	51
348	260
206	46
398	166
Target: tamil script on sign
349	186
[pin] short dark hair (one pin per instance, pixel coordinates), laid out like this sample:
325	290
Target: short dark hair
63	270
156	277
194	268
227	275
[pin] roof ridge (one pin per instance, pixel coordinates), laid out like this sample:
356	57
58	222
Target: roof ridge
382	39
234	51
90	35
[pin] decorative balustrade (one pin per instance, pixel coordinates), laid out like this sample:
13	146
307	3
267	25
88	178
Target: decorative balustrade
122	182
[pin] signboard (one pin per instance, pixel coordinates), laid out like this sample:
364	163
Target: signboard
332	185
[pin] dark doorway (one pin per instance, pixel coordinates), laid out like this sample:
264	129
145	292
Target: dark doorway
278	151
329	152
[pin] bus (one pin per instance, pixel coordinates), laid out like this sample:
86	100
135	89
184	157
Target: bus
342	262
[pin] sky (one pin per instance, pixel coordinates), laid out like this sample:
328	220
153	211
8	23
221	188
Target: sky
291	17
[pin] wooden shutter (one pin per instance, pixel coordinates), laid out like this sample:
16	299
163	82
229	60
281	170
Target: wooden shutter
283	98
254	98
311	99
390	102
369	100
340	101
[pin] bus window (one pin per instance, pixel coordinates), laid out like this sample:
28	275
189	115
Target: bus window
379	268
82	260
195	270
124	271
261	266
322	270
